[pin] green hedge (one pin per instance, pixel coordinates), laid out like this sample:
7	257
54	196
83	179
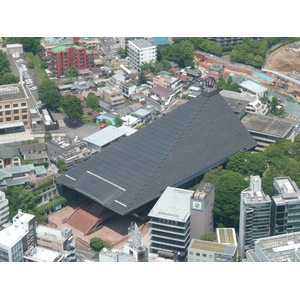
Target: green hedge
58	200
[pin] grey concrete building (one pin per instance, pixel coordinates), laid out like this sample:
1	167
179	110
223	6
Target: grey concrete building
202	201
267	129
279	248
255	215
285	206
4	208
170	222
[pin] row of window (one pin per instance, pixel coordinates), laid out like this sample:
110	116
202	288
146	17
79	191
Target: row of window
16	118
15	111
14	105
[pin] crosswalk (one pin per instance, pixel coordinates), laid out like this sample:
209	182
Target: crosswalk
293	118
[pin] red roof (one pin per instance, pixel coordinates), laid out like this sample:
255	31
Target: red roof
84	71
212	75
183	78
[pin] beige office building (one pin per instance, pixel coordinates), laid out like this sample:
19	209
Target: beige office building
14	108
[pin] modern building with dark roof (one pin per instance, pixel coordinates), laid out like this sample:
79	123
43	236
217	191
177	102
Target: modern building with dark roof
171	151
267	129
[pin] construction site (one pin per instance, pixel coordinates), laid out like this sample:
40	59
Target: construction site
282	66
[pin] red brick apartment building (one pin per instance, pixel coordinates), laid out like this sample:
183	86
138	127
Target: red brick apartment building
63	57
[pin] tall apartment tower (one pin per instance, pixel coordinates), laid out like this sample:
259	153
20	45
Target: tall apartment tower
285	206
255	215
140	51
4	208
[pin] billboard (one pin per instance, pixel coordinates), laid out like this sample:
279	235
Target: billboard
197	205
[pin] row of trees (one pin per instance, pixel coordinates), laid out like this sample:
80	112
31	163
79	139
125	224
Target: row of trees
279	159
201	44
6	77
30	44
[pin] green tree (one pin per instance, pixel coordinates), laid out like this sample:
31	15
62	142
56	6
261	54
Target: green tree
49	94
72	107
211	236
47	136
118	121
72	72
9	78
61	166
30	44
92	100
123	52
97	244
44	65
142	79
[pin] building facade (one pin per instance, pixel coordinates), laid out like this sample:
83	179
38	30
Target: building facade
54	239
16	239
63	57
169	82
202	202
255	215
14	108
206	251
4	208
113	96
285	206
170	222
140	51
71	151
9	157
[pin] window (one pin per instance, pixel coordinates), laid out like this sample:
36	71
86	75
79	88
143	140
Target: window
16	118
24	116
8	119
198	254
23	104
7	106
203	254
7	113
16	111
24	110
15	105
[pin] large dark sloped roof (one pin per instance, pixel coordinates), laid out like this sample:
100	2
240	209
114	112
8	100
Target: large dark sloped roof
176	148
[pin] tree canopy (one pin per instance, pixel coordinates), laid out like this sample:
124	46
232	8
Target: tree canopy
181	53
72	72
277	160
92	100
97	244
49	94
72	107
30	44
229	85
6	77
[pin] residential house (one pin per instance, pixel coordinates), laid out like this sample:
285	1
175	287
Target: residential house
34	152
9	157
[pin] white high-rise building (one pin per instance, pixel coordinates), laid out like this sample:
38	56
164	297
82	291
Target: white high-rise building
255	215
4	208
17	238
140	51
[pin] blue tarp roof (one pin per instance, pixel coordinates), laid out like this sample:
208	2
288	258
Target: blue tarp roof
158	41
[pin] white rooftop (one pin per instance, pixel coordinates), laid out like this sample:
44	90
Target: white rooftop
108	134
11	235
41	254
252	86
173	204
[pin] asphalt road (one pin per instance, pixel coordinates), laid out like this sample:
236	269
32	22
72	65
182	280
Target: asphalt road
85	254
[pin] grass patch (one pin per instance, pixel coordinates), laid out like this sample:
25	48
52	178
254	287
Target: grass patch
36	61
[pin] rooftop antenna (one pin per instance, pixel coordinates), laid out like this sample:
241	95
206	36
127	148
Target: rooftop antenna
135	238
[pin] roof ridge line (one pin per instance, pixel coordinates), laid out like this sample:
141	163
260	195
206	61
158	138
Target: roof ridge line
171	148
